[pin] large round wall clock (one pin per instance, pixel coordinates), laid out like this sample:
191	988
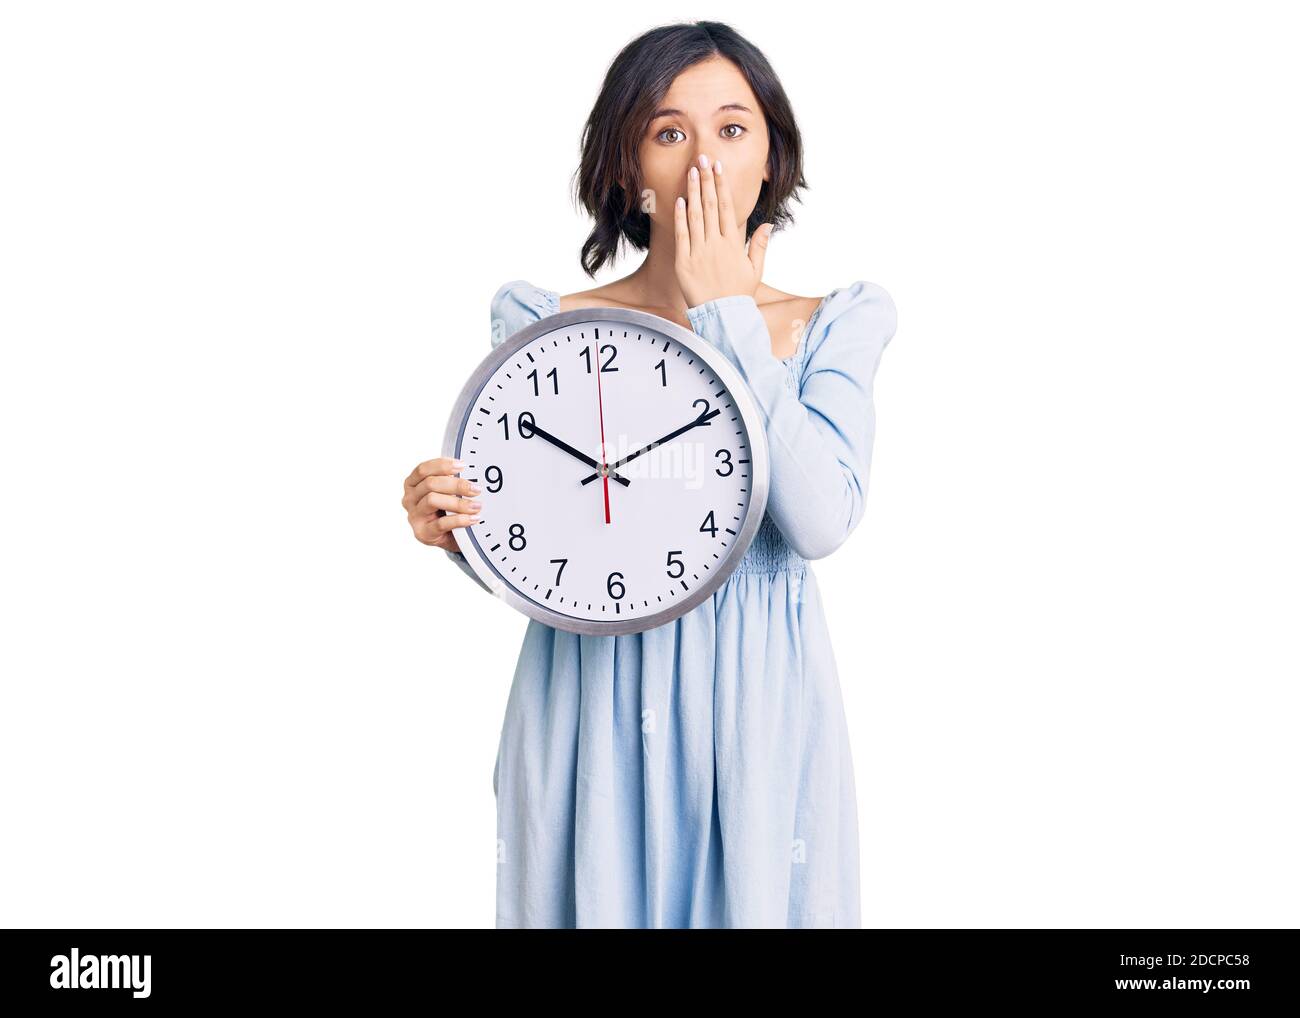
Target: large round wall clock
623	466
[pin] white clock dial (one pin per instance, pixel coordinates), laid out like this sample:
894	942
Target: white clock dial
617	466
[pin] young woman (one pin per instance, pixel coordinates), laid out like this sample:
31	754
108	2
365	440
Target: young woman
699	773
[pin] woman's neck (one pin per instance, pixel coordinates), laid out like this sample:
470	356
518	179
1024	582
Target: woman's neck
654	282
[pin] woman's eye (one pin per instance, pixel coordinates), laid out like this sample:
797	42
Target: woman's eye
740	131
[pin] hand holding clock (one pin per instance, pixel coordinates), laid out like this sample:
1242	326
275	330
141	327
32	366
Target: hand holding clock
436	502
711	258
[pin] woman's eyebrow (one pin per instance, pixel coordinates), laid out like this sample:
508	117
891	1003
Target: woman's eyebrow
671	112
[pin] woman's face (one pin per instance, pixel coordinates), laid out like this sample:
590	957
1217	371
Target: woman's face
717	115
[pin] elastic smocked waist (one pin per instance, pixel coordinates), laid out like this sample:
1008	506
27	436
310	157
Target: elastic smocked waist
769	552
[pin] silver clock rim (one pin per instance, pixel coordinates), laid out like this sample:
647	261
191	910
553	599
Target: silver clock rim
759	466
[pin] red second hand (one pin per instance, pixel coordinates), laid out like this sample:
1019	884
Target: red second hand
601	404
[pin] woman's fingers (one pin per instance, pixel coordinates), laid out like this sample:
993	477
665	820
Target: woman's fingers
681	230
708	199
708	213
446	489
436	530
726	214
438	465
694	217
437	502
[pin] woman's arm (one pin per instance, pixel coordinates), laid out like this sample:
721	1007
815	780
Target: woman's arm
819	442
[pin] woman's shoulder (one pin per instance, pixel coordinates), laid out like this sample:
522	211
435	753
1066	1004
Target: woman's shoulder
860	300
858	294
517	303
858	317
522	293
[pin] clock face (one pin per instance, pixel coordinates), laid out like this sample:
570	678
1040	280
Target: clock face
621	480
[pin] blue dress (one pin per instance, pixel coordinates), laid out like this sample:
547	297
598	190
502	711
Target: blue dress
699	774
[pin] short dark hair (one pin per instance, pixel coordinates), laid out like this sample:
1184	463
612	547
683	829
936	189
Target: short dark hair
634	86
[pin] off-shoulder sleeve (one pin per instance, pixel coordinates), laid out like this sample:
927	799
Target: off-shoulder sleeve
516	303
519	303
820	441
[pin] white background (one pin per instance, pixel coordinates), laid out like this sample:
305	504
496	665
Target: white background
247	254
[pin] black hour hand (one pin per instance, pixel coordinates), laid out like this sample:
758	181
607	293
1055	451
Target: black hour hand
559	443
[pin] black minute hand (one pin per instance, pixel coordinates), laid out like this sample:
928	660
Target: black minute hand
701	421
560	443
